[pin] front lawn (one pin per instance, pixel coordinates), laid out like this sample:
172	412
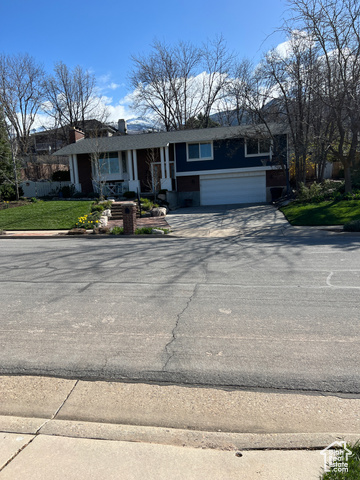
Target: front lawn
44	215
324	213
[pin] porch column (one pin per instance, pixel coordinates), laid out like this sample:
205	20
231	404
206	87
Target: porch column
129	165
76	170
134	184
135	165
71	166
167	161
162	162
165	181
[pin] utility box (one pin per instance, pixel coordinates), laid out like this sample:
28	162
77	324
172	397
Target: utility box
129	218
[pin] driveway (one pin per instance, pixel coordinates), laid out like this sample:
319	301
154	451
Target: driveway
226	220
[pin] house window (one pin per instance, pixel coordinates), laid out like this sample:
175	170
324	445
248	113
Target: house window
199	151
123	162
254	147
109	164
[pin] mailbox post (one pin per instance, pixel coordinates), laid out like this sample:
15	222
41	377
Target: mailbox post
129	218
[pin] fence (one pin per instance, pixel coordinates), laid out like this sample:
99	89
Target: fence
42	189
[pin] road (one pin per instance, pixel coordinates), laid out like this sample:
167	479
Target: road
261	311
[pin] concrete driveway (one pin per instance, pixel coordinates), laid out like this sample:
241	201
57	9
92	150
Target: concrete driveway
226	220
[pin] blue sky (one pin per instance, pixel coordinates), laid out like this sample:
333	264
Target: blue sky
102	36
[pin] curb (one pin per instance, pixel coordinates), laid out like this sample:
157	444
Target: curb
172	436
61	235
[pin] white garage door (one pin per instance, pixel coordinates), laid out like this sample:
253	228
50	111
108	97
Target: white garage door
225	189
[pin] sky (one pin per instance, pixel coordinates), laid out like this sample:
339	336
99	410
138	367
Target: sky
101	36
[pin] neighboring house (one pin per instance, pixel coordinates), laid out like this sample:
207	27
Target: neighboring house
48	141
212	166
41	164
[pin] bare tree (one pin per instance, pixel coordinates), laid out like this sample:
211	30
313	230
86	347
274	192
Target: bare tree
232	107
97	159
71	96
153	174
21	95
6	167
176	83
289	76
218	63
335	27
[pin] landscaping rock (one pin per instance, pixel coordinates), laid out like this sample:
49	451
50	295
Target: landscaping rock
158	231
77	231
107	213
158	212
102	231
104	221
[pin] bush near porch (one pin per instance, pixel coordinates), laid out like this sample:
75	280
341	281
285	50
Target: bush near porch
44	215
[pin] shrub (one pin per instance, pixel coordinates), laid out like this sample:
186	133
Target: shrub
117	231
97	208
319	192
67	191
129	194
61	176
353	226
106	203
354	195
143	231
148	230
8	192
146	204
88	221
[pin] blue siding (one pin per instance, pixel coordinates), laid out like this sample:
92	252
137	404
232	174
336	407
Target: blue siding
228	154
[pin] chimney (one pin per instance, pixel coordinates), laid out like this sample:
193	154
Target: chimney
75	134
122	126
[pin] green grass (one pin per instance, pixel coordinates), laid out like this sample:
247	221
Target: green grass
353	467
47	215
324	213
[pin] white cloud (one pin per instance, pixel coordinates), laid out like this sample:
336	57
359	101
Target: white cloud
115	86
103	79
299	40
118	111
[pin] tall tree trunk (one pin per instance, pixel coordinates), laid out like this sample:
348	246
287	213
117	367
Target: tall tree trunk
347	174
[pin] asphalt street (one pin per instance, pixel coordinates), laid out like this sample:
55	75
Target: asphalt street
262	311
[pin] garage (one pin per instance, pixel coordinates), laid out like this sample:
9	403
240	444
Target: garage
222	189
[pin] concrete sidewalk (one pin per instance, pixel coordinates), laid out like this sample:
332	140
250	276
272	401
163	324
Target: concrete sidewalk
57	428
48	457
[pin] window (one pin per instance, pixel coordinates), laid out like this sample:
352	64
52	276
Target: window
253	146
123	162
109	164
199	151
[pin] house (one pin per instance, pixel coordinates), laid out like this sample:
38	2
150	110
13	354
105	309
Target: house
221	165
48	141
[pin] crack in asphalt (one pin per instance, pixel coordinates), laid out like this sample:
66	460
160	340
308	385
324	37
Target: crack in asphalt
173	333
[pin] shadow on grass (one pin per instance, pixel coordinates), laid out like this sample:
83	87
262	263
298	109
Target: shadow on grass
325	213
